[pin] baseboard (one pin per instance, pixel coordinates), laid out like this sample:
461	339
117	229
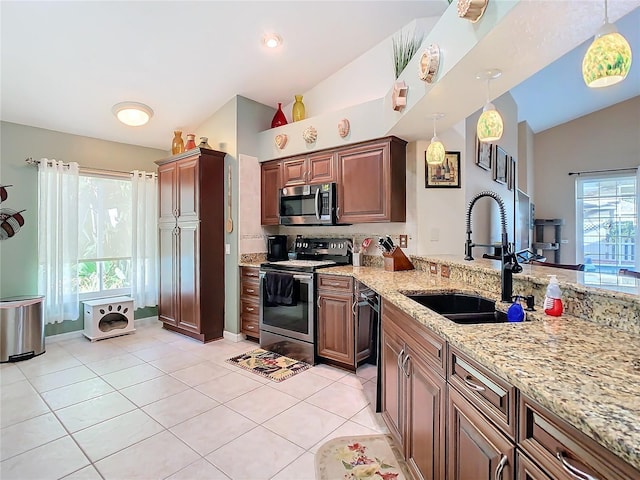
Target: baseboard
233	337
63	336
145	321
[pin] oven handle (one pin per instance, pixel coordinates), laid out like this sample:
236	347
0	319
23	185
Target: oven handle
296	276
317	207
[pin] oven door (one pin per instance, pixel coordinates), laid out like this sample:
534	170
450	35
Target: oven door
295	321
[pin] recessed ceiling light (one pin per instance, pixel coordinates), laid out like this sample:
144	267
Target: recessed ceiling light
133	114
272	40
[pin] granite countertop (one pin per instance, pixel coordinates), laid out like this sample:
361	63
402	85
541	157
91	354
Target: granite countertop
586	373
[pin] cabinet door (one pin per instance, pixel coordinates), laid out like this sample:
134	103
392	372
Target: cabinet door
167	194
167	311
425	416
476	449
364	331
294	172
321	168
363	184
269	190
188	276
336	327
188	189
392	381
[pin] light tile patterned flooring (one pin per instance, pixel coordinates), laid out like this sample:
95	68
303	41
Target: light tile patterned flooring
156	404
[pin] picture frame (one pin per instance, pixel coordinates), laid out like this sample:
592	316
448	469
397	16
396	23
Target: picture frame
500	166
484	154
511	173
446	175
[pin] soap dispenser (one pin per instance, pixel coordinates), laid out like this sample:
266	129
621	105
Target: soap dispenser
553	299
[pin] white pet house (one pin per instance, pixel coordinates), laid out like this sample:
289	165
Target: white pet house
108	317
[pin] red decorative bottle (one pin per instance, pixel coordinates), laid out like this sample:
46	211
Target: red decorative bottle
279	118
191	142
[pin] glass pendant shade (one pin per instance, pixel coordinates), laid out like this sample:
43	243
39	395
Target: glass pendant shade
608	59
490	126
435	152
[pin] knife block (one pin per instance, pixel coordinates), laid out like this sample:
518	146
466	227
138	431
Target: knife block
396	260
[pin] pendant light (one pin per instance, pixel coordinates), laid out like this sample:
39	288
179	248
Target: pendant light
490	126
608	59
435	151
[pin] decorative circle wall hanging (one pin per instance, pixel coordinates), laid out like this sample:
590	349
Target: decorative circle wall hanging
429	63
281	140
310	134
399	95
344	128
471	10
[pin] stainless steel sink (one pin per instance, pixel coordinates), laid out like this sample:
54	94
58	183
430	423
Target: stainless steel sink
461	307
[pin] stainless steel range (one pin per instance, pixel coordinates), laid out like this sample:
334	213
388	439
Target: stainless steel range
288	296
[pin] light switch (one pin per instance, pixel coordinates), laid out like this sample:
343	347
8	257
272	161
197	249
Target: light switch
403	241
227	248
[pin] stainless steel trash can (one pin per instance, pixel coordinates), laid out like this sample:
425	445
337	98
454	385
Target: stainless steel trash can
21	328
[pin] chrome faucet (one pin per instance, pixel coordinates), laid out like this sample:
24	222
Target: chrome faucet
508	258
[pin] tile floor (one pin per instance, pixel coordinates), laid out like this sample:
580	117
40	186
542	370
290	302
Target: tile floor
156	404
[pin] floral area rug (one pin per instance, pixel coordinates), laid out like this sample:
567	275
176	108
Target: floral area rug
364	457
269	364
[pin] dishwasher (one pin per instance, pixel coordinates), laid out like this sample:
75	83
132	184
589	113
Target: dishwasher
369	309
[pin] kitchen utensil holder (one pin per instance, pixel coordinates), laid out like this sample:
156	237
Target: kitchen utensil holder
396	260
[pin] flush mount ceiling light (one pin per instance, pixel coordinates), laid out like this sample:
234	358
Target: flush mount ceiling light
435	151
608	59
271	40
133	114
490	126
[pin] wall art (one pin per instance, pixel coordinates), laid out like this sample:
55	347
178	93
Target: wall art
429	63
484	154
10	220
310	134
445	175
500	166
281	140
471	10
399	96
344	128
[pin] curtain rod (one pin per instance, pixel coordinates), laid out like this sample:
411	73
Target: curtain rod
31	161
605	171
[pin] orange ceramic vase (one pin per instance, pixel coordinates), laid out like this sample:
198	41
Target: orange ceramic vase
177	146
191	141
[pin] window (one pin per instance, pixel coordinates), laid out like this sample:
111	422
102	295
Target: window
105	233
607	221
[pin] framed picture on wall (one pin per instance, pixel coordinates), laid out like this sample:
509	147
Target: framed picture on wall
445	175
484	154
500	166
511	173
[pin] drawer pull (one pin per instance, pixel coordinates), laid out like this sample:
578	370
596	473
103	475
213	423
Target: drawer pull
250	290
250	309
251	274
250	327
500	469
404	362
334	284
472	385
400	355
571	470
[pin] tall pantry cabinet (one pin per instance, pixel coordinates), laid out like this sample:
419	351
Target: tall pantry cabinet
191	243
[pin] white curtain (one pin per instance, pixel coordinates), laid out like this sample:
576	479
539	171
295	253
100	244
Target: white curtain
144	256
58	239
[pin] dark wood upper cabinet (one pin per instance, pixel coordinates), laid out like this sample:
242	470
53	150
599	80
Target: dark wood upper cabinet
313	168
191	243
372	182
270	184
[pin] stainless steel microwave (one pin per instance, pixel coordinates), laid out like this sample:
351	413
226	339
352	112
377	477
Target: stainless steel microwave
308	204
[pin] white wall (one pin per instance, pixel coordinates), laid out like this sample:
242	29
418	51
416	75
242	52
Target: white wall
606	139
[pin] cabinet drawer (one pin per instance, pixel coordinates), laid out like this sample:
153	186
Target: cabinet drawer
489	393
250	325
249	307
249	289
335	282
249	274
557	447
430	347
527	470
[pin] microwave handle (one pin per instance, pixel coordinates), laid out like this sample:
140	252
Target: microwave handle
317	206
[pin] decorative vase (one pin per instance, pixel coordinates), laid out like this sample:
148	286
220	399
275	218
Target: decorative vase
191	141
279	118
204	143
177	146
298	109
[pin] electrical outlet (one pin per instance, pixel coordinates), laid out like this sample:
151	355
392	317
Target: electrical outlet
403	241
444	271
227	248
433	268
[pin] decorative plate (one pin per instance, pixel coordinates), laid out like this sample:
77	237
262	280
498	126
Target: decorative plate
429	63
399	95
343	127
310	134
281	140
471	10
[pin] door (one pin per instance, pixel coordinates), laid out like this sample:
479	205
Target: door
269	191
188	190
335	327
321	168
294	172
392	381
167	193
476	449
365	325
425	414
188	276
167	310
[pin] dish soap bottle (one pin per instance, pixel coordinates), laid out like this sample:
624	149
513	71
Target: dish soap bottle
553	299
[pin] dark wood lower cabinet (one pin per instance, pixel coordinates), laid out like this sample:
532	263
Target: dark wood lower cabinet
476	450
527	470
